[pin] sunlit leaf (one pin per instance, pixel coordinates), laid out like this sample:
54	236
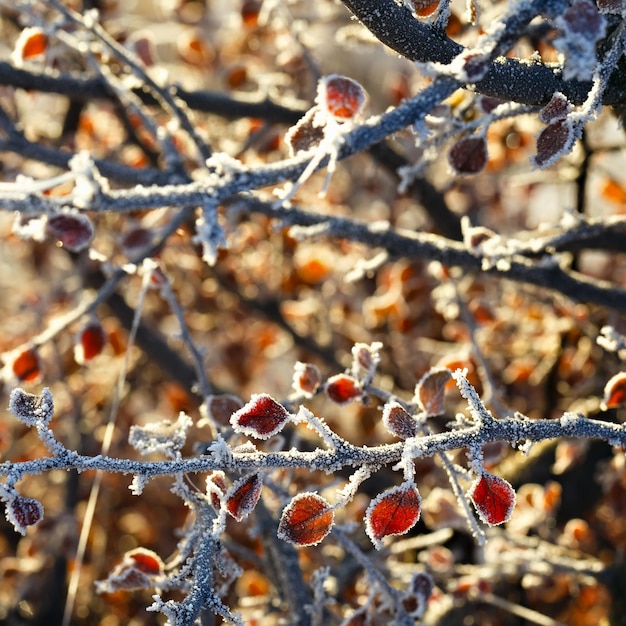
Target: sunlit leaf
343	389
493	497
145	561
306	520
243	496
306	378
393	512
430	390
90	341
399	421
614	392
262	417
556	110
26	366
341	97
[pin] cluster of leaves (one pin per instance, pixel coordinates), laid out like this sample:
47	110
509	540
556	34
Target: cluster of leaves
174	262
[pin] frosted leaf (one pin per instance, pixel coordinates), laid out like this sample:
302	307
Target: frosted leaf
23	512
393	512
493	498
430	390
165	437
31	409
556	110
581	27
137	570
243	496
365	360
261	417
614	392
30	45
553	142
306	520
417	594
399	421
306	133
340	97
306	379
343	389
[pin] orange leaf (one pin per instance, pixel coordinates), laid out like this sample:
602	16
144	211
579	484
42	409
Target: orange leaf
614	392
306	520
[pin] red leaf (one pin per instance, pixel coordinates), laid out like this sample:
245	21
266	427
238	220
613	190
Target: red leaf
340	96
343	389
399	421
145	561
614	392
23	512
26	366
430	390
306	378
306	520
262	417
243	496
393	512
72	231
468	155
493	497
91	340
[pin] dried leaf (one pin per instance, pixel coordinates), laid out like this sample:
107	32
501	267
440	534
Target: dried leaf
430	390
399	421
